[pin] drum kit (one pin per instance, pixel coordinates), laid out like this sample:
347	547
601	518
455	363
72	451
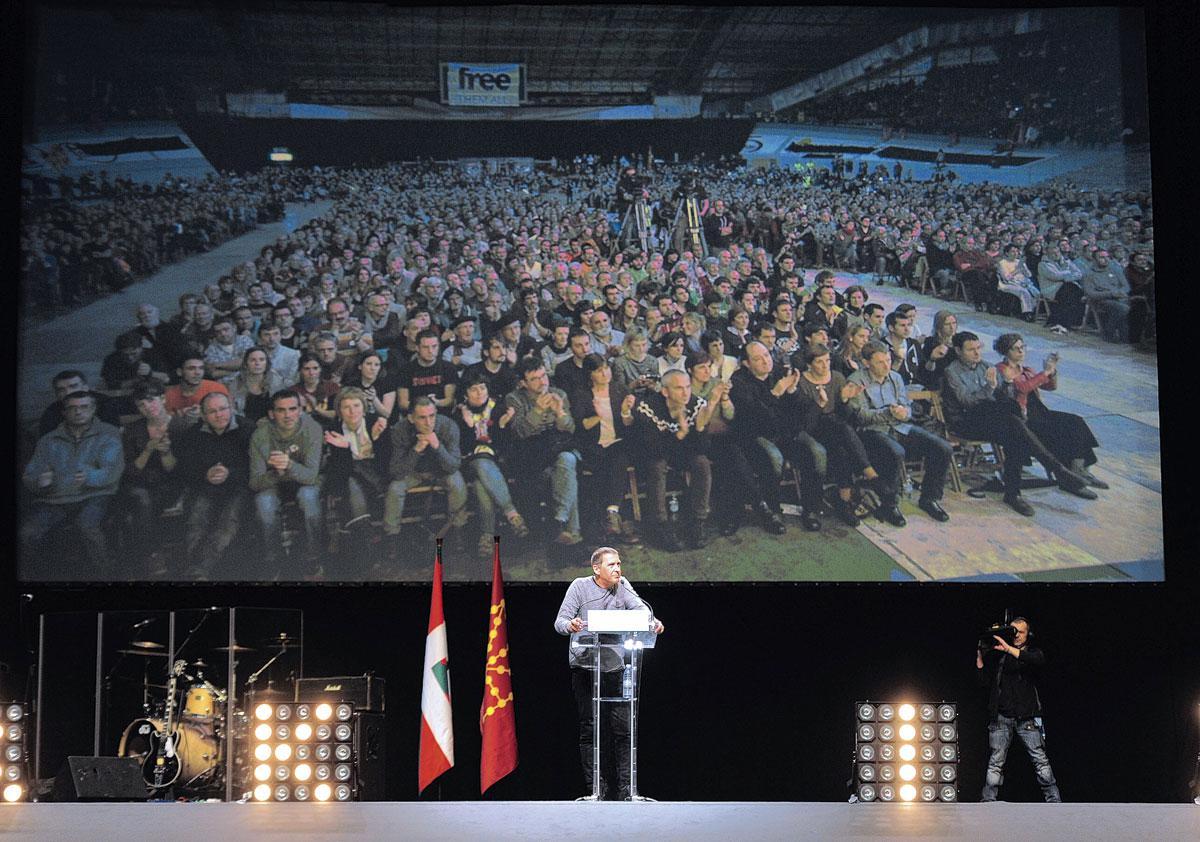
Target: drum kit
192	719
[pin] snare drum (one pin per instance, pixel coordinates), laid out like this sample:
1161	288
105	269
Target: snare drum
198	747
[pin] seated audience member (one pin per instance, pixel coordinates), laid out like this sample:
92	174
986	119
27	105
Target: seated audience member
635	370
603	414
384	326
849	355
823	309
569	374
882	413
283	315
356	454
214	469
721	365
734	484
1060	279
426	376
156	338
75	471
149	484
254	384
494	369
334	365
1107	290
425	448
285	361
1065	434
906	353
938	350
464	349
369	376
314	391
874	314
183	399
64	383
605	340
977	408
852	314
821	398
673	347
223	356
348	333
555	352
482	420
669	431
737	331
768	431
543	444
285	461
1016	280
127	366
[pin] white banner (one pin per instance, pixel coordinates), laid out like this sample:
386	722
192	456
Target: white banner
486	85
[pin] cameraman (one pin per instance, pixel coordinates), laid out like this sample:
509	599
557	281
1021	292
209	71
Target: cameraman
1014	706
631	187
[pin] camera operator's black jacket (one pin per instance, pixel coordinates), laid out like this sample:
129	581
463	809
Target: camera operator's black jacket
1013	683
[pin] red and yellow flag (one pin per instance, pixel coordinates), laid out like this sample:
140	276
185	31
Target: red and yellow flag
497	720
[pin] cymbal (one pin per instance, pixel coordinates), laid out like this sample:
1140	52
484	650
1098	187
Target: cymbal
199	662
141	653
282	640
270	693
146	644
237	647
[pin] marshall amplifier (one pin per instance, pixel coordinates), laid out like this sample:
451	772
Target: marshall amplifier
365	692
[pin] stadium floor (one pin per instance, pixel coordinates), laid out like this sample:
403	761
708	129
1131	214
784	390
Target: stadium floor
1118	537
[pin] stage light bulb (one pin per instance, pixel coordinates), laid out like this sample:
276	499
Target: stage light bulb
283	751
262	751
322	792
282	732
906	712
12	753
344	712
302	772
282	792
303	711
13	792
13	712
303	731
908	772
263	711
342	793
282	772
14	733
262	731
283	712
324	711
907	752
908	792
907	732
13	773
342	732
262	771
301	793
262	792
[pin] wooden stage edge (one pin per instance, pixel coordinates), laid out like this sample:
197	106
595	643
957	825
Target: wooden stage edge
534	820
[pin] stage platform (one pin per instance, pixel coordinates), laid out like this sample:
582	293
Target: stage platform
532	820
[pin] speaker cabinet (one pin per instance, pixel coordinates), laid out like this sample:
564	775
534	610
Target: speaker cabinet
100	779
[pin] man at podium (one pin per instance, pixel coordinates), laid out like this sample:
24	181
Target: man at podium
605	589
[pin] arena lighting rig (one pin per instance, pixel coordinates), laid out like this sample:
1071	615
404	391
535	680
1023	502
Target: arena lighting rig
906	751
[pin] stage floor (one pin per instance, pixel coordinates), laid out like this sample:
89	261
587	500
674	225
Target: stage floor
531	820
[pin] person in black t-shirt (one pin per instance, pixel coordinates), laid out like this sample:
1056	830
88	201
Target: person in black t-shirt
427	374
1011	670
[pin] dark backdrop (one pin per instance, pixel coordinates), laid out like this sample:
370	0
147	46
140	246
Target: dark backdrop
243	144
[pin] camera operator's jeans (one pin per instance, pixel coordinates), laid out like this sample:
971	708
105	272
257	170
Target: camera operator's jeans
1000	734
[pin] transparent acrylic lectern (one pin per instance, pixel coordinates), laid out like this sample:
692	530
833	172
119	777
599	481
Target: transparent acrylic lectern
616	640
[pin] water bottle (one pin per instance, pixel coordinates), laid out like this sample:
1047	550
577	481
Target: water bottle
627	682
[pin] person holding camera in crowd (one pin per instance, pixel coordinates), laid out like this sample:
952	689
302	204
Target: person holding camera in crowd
1011	671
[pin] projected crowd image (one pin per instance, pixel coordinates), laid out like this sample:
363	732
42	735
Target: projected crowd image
731	370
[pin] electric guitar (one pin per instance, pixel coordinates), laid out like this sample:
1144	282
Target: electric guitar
161	767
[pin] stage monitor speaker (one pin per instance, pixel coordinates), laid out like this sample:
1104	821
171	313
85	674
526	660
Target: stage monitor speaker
100	779
370	747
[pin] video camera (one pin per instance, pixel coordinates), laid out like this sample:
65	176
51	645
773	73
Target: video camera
987	638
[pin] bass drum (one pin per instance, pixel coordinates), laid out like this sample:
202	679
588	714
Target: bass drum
198	749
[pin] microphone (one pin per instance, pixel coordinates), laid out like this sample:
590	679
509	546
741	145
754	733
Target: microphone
143	623
636	595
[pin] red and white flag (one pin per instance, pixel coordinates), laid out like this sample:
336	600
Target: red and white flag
437	724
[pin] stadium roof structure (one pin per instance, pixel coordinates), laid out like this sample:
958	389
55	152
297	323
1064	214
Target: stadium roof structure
388	54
